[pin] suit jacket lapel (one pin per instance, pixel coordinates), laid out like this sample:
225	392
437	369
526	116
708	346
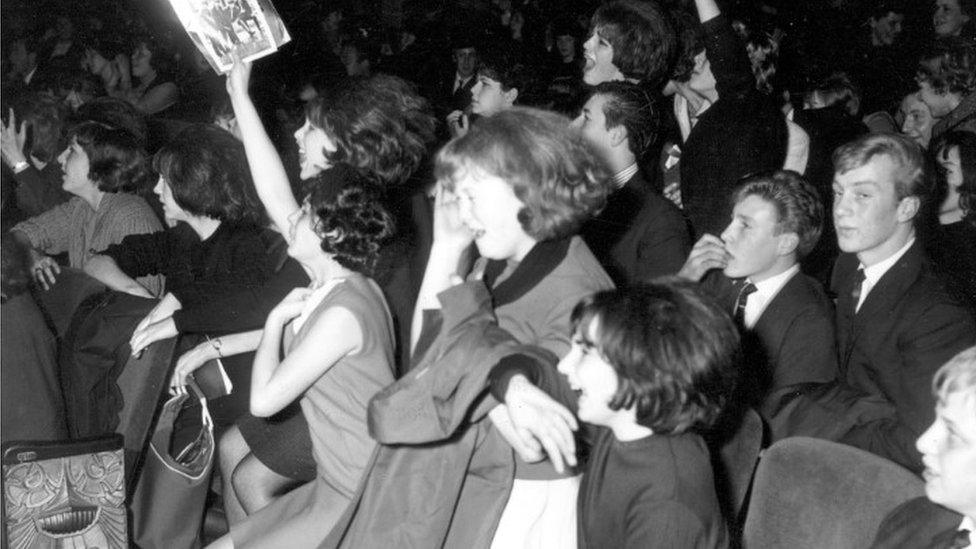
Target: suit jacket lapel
882	297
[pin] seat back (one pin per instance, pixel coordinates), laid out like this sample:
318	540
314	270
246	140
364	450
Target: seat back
143	381
736	463
811	493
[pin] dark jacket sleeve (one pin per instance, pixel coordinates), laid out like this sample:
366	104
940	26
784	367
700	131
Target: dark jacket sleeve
935	337
244	310
728	59
244	267
141	254
665	243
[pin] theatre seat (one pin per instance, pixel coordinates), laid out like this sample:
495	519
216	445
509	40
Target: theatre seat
810	493
736	463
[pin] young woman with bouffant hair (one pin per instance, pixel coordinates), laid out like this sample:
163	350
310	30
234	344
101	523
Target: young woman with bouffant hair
519	185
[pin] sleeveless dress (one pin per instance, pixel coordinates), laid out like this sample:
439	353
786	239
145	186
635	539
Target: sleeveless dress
335	408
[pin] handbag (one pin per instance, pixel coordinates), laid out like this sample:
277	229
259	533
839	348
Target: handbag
65	493
170	495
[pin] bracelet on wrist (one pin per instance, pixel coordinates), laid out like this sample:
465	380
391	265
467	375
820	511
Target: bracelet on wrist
216	344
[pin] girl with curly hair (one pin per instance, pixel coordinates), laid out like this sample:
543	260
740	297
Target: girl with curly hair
338	333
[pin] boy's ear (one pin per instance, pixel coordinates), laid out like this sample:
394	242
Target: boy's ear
908	208
787	243
618	135
510	96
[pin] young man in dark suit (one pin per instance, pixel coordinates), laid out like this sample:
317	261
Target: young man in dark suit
785	315
896	324
946	517
639	235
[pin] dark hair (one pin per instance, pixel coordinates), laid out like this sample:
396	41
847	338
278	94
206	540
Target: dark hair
163	54
45	117
838	88
117	113
673	349
911	178
642	36
690	42
350	217
380	125
503	65
116	161
799	208
966	143
207	171
109	47
15	264
629	105
548	164
949	66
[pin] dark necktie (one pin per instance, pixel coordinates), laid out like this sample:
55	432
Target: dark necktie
856	289
740	303
960	540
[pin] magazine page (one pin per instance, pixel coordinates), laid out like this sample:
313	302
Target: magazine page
219	28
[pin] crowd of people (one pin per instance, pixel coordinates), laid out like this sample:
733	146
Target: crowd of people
501	274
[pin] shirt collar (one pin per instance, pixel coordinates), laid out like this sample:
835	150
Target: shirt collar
874	273
623	176
769	287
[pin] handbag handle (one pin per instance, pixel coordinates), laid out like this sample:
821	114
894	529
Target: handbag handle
204	409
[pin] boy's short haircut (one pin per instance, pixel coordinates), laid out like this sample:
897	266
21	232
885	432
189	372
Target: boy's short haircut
956	376
631	106
673	349
642	36
799	207
548	164
911	178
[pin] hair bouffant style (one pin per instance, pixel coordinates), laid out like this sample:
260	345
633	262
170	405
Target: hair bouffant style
349	217
116	162
207	171
501	63
673	349
548	164
949	66
799	208
380	125
631	106
643	38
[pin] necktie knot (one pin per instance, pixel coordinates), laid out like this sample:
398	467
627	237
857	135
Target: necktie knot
740	302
